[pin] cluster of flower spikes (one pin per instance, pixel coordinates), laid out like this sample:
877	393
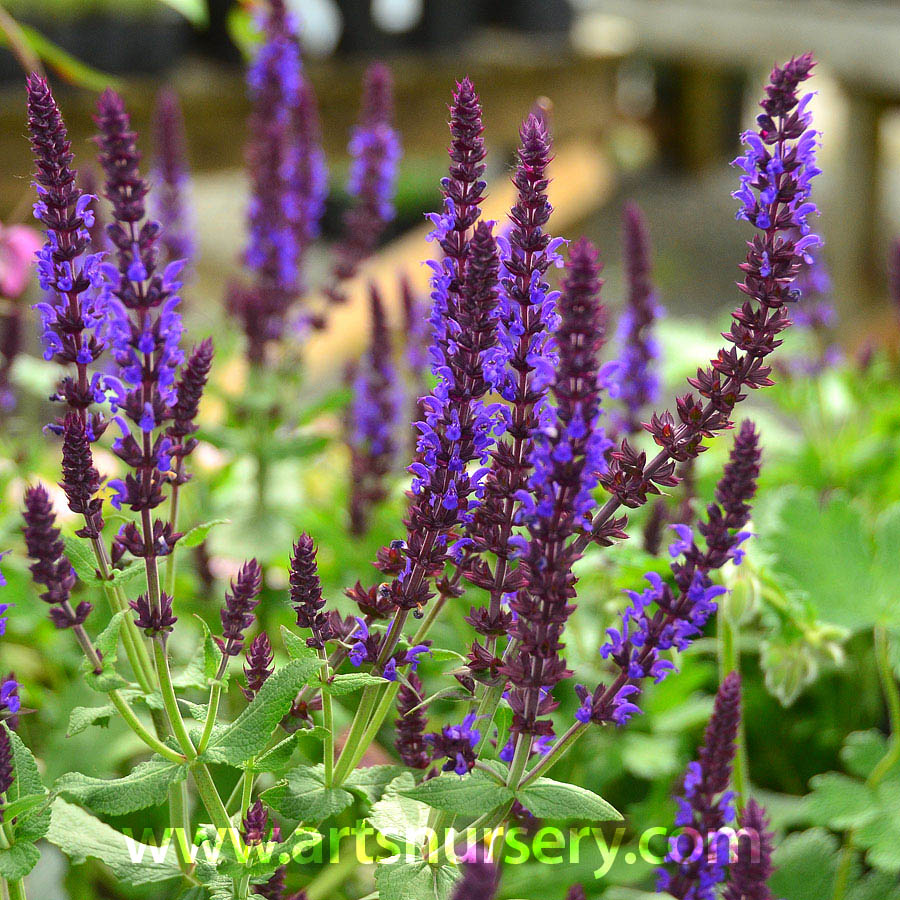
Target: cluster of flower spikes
706	805
457	428
171	204
374	420
288	181
680	614
522	364
566	458
374	153
775	195
73	315
636	380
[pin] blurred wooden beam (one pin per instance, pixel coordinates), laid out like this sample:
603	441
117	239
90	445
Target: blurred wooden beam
582	181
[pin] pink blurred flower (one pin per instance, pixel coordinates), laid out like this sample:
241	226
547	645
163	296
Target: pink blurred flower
18	244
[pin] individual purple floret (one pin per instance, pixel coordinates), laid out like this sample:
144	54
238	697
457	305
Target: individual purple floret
373	420
287	182
457	743
259	666
706	805
680	614
237	613
748	876
775	196
374	153
171	179
50	567
637	376
566	458
306	593
74	313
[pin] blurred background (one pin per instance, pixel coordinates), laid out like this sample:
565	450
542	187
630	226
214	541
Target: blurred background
656	90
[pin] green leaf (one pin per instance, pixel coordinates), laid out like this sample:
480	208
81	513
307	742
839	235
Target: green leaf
124	577
26	783
194	11
195	536
82	558
880	836
250	732
82	836
399	817
805	865
371	781
295	646
107	644
839	802
147	784
548	799
414	881
22	806
275	759
473	794
304	798
352	681
17	861
862	751
203	665
82	717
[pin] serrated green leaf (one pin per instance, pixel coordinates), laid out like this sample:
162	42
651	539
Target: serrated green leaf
414	881
17	861
26	783
275	759
81	836
195	536
352	681
82	558
124	577
107	644
371	781
147	784
295	646
204	663
548	799
473	794
22	806
880	838
304	798
839	802
82	717
250	732
805	865
399	817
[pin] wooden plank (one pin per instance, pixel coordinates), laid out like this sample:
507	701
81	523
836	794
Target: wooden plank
582	181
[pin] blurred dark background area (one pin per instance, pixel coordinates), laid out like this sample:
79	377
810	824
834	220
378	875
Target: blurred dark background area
662	86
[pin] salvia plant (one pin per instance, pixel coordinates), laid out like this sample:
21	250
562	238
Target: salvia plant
530	453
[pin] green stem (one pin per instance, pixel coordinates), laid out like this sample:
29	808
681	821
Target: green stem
344	765
206	788
15	890
179	817
730	661
215	694
330	878
170	701
132	721
559	749
328	722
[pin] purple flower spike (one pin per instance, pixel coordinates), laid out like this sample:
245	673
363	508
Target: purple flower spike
374	153
6	763
188	393
81	481
374	420
237	614
50	567
306	593
259	666
479	881
637	376
171	179
707	804
255	824
567	454
411	723
74	312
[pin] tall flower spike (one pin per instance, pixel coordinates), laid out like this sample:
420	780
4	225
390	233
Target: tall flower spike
748	877
411	723
566	457
634	648
144	326
81	481
188	393
374	152
706	805
73	314
306	593
259	666
50	567
237	613
374	419
171	180
778	169
637	376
